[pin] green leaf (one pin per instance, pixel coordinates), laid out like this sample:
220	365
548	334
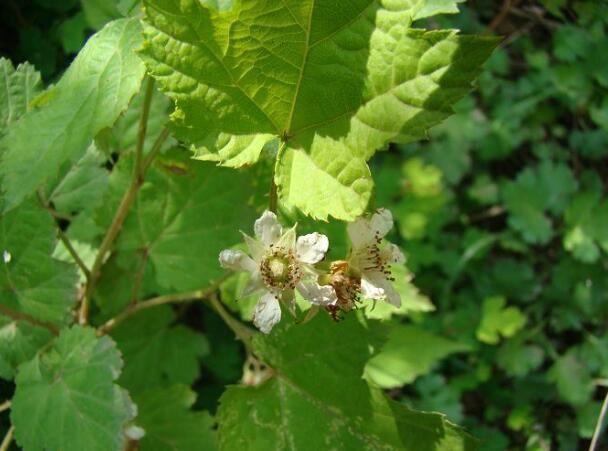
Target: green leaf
409	352
73	33
327	79
100	12
517	359
586	226
157	353
536	191
17	89
66	398
499	320
328	181
123	135
572	378
80	186
19	342
31	281
186	212
231	150
89	97
305	406
412	300
169	423
434	7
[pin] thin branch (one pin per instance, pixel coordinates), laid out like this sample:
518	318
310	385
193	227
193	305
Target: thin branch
121	214
139	276
68	245
138	171
20	316
175	298
598	426
8	438
155	148
5	405
502	14
242	332
56	214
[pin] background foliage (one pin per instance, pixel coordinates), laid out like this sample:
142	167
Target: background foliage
502	213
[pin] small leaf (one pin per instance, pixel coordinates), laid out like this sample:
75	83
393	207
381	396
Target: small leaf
499	320
572	379
66	398
18	87
19	342
409	352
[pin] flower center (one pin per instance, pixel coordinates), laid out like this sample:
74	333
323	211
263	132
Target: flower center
280	269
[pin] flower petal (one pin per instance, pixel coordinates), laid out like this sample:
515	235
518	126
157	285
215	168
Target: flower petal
254	285
267	228
237	261
382	222
287	241
374	285
267	312
360	233
311	248
392	254
317	294
256	248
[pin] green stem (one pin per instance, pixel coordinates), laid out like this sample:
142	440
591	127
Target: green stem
174	298
20	316
138	168
242	332
68	245
155	148
273	196
121	214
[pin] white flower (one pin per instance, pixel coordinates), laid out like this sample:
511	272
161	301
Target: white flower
371	258
279	263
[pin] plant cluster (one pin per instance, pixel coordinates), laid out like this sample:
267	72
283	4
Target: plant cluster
179	124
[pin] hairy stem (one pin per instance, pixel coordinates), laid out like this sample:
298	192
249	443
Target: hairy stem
598	426
273	195
8	438
175	298
123	209
19	316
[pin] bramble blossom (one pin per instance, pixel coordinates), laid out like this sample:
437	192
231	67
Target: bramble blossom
371	257
279	263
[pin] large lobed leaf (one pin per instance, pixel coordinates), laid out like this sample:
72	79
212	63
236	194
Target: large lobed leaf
89	97
156	353
169	423
336	81
316	398
186	212
66	398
